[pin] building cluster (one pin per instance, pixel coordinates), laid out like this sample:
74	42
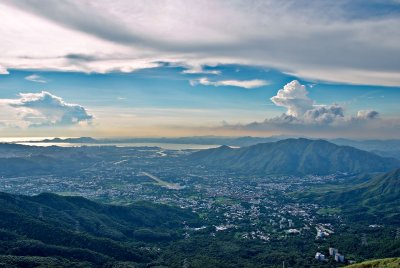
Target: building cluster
333	253
323	230
336	255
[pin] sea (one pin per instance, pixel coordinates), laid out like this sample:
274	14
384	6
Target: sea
35	141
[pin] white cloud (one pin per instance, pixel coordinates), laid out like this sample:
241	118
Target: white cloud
35	78
198	69
3	70
294	97
201	71
43	109
234	83
340	44
303	110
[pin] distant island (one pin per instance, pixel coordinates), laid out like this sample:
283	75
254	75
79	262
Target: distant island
71	140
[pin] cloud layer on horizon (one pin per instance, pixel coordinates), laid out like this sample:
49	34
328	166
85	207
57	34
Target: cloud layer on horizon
350	41
41	110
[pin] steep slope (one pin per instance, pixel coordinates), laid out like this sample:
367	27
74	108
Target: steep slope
377	191
295	156
77	229
378	198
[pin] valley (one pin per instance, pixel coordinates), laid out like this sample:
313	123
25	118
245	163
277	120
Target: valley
275	217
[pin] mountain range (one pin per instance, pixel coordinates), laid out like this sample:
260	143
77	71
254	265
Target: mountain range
294	156
385	146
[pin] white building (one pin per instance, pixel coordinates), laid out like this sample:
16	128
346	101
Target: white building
339	257
320	234
333	251
319	256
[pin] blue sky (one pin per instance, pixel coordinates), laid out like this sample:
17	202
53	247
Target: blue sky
166	69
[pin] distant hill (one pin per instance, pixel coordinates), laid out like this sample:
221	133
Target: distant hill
75	229
387	148
294	156
379	263
375	198
42	163
23	160
70	140
370	145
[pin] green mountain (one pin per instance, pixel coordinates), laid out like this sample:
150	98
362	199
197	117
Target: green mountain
295	156
78	231
375	198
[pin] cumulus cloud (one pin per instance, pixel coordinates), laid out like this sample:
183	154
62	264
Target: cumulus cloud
45	109
324	114
234	83
35	78
304	116
350	41
303	110
294	97
367	114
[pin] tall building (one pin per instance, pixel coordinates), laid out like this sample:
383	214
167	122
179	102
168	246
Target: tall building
333	251
319	256
339	257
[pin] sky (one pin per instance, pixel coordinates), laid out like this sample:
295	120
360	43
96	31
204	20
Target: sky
119	68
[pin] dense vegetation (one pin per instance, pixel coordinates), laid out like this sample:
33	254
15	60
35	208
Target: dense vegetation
374	198
295	156
75	228
49	231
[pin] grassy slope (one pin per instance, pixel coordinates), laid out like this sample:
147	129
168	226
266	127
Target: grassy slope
380	263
